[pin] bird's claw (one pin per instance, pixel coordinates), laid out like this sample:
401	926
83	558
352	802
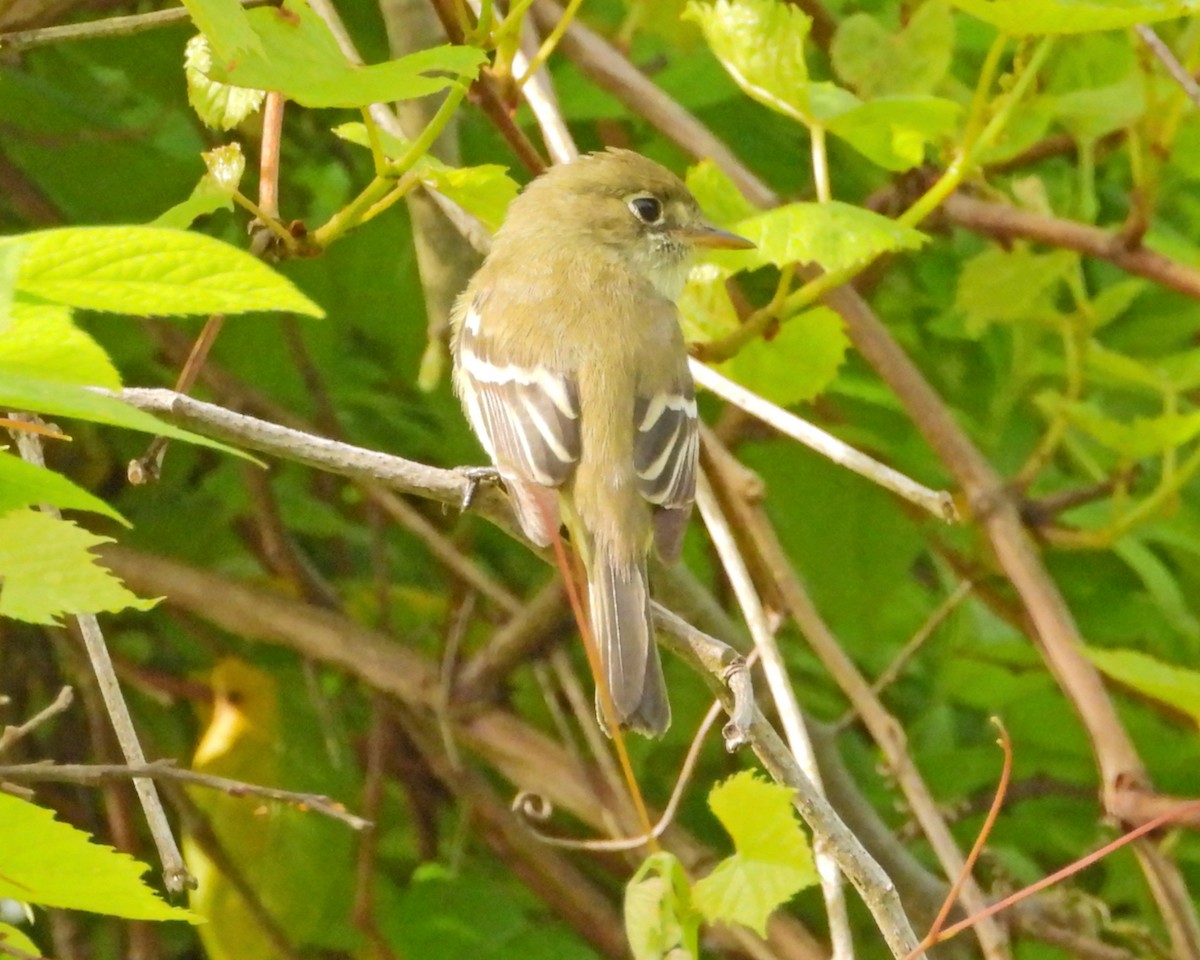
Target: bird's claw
476	476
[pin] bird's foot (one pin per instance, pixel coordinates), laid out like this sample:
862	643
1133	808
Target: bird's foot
476	476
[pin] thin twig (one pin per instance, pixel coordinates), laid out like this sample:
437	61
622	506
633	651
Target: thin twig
1179	73
92	774
108	27
10	735
938	502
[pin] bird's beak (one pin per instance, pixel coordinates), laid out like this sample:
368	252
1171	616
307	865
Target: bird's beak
704	234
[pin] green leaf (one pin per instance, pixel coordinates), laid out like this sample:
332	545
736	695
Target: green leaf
1011	286
914	60
1161	583
718	196
1092	113
833	235
484	191
215	191
773	861
226	25
14	939
221	106
1024	17
1133	439
705	310
761	44
152	270
11	252
894	131
660	920
50	863
1177	687
70	400
1121	370
47	570
1115	299
300	58
26	484
42	342
797	363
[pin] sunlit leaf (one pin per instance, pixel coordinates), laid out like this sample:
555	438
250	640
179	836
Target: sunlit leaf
214	192
52	864
25	484
14	939
10	264
1023	17
299	57
47	570
761	44
660	920
221	106
832	235
1011	286
1133	439
70	400
1161	583
894	131
1177	687
718	196
773	861
797	363
42	341
705	310
152	270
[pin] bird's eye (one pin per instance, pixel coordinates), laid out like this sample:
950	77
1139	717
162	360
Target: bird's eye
646	209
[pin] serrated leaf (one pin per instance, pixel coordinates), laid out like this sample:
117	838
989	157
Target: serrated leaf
14	939
718	196
303	62
11	252
1177	687
797	363
894	131
26	484
70	400
484	191
833	235
47	570
878	62
152	270
660	920
41	341
51	863
1025	17
773	861
221	106
1011	286
761	44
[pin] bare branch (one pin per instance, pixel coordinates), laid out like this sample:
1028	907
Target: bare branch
10	735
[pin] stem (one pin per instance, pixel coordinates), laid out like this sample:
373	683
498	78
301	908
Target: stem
820	161
367	203
550	42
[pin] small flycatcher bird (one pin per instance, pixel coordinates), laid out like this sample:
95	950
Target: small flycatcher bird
572	369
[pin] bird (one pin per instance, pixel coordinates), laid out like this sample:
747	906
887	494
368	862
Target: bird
572	369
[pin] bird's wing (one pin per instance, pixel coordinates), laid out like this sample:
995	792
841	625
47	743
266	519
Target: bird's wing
526	416
666	447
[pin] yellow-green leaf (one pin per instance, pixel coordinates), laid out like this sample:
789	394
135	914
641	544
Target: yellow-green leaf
53	864
773	861
1024	17
42	341
1177	687
221	106
47	570
797	363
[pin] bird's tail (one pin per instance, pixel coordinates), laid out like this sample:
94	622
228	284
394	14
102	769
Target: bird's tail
619	597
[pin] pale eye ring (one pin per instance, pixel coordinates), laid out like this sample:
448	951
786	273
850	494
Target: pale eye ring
647	209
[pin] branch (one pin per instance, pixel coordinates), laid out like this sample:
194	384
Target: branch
1005	223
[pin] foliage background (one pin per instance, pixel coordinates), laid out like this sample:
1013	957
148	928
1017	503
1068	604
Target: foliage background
1074	375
